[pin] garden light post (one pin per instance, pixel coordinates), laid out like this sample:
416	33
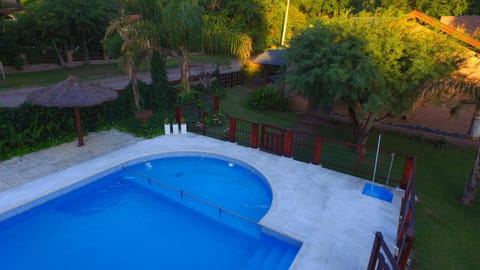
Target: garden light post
285	23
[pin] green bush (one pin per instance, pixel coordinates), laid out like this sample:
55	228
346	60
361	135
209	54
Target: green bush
267	99
190	97
113	45
215	119
19	62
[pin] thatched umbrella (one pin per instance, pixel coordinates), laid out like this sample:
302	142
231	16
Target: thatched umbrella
72	93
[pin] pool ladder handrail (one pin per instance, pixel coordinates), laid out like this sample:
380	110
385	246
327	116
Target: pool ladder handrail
183	193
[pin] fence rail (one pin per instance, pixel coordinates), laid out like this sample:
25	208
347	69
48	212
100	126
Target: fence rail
405	232
396	169
381	258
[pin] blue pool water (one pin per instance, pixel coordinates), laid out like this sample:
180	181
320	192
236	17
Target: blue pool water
131	220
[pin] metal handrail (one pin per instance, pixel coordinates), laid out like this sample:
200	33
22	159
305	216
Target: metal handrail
183	193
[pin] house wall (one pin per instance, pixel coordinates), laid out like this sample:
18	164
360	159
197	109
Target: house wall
439	118
430	118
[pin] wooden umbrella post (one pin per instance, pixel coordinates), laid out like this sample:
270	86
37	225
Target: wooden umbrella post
78	125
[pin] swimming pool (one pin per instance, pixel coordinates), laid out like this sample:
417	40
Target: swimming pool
158	214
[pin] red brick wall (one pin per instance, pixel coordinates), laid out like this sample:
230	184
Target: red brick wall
435	117
439	118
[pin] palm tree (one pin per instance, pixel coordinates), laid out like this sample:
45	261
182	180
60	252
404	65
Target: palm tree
135	47
457	91
187	28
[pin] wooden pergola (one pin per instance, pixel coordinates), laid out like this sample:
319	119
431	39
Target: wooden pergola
270	58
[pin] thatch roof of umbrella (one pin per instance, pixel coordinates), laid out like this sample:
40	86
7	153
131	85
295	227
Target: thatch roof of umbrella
72	93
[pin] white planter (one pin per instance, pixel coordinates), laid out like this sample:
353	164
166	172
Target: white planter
175	129
168	129
183	128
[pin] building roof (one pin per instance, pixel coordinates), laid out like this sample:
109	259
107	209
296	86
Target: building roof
469	24
271	57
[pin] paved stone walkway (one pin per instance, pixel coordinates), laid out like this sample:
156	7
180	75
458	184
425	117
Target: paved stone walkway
20	170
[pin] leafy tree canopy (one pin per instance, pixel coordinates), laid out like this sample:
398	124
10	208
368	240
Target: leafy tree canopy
64	22
372	63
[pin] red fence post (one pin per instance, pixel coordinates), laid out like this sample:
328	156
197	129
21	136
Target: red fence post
403	257
404	225
317	151
407	171
216	104
232	129
178	114
361	151
288	143
254	135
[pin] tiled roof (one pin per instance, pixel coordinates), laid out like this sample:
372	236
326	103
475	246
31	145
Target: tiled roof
469	24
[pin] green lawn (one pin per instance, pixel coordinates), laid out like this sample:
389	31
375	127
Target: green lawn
93	72
44	78
447	232
235	104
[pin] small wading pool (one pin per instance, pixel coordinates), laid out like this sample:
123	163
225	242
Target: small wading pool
183	211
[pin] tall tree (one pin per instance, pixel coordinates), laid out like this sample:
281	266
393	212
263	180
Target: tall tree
183	23
186	28
473	7
88	20
162	95
373	64
135	47
247	16
437	8
66	24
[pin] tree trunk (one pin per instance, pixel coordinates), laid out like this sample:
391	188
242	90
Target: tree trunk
68	53
185	69
86	57
133	80
472	183
59	56
360	133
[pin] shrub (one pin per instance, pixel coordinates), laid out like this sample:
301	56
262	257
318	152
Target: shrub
216	119
113	45
267	99
19	62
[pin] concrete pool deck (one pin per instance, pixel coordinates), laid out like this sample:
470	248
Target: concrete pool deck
323	209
